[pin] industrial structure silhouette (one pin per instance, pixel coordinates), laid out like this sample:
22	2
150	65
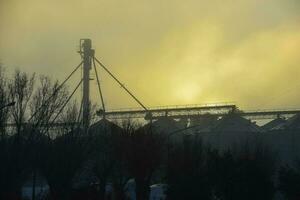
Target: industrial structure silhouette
222	126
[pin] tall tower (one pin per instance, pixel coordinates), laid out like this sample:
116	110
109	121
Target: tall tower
87	54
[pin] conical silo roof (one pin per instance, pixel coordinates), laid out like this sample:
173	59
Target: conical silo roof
233	122
104	126
291	124
203	124
164	125
274	124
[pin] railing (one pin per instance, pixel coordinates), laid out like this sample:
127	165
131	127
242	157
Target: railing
198	110
206	105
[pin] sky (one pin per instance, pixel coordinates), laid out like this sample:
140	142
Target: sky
167	52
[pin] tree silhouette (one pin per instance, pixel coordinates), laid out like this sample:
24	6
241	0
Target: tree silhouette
187	173
244	175
289	182
144	156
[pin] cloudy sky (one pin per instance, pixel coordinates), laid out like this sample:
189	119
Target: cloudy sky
166	51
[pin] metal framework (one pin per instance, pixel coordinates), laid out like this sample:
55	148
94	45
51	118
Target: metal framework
172	111
87	54
198	111
270	114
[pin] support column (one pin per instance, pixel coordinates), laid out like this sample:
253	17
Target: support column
87	54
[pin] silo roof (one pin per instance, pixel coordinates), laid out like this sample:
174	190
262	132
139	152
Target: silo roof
203	124
164	125
292	123
104	126
233	122
274	124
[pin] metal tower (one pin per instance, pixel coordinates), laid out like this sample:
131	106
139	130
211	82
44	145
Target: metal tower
87	54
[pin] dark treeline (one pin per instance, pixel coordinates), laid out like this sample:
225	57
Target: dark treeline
79	165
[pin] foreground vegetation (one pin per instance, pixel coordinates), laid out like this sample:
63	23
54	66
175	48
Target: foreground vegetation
116	154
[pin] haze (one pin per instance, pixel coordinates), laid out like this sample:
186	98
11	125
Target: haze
167	52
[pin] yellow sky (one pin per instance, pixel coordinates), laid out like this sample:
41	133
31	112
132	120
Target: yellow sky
166	51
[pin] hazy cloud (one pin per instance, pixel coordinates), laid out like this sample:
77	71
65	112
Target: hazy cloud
167	52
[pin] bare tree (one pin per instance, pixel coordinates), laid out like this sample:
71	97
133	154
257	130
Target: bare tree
20	91
69	118
24	151
47	100
64	156
3	101
14	164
